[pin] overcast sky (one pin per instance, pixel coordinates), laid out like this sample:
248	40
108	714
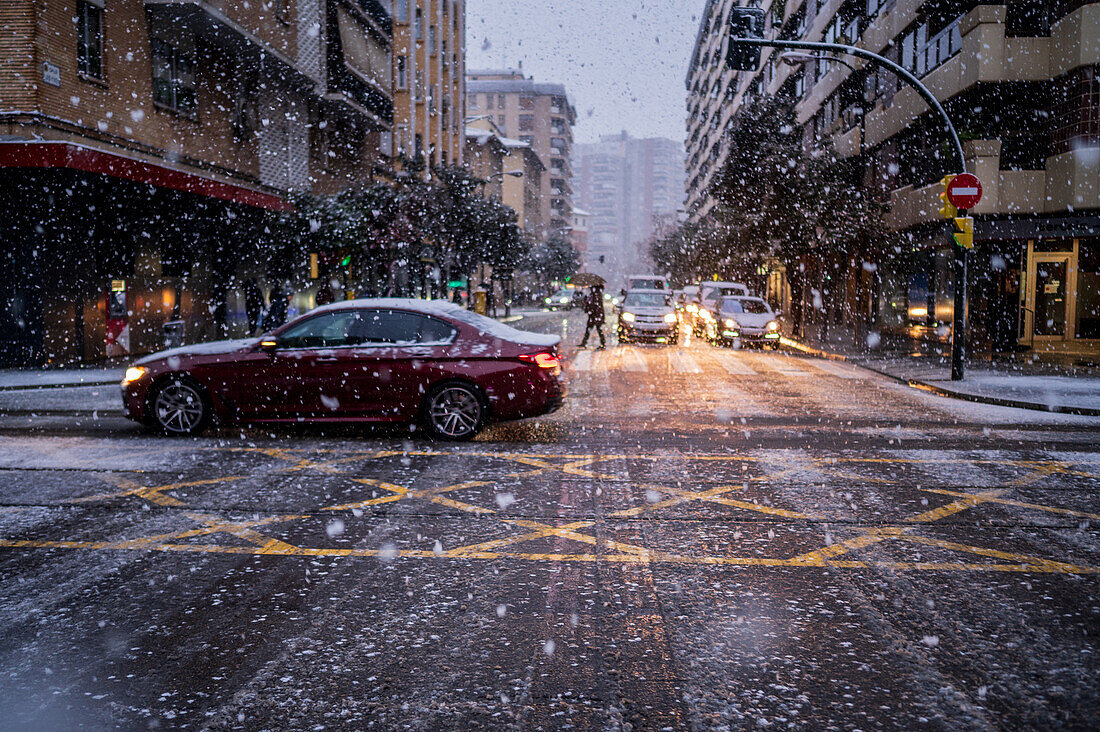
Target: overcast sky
623	62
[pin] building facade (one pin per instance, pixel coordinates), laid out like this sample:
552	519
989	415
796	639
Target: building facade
539	114
429	76
1019	80
144	147
626	185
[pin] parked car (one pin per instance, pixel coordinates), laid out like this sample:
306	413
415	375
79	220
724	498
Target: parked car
743	320
648	315
374	360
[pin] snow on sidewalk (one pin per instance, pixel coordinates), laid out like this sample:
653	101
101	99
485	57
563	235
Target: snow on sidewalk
1052	392
32	378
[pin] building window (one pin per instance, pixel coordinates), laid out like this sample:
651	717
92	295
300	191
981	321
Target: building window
173	79
443	52
558	144
526	102
488	101
529	139
500	101
401	11
432	34
472	103
402	72
557	105
557	126
500	122
526	122
89	39
418	28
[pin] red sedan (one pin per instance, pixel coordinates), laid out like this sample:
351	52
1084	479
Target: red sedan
380	360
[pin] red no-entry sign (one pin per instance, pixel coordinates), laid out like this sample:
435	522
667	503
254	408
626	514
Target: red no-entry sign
964	191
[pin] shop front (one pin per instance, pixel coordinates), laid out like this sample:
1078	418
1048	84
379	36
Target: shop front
1060	295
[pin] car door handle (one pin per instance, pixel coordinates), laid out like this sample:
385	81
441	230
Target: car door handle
326	359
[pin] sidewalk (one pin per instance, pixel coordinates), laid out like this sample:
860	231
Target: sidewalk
1056	382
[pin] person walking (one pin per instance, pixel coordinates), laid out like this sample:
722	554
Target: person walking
277	307
593	308
253	304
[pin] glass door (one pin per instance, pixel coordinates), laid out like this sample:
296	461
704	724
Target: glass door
1050	297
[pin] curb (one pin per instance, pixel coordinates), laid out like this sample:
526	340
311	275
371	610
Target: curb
35	387
940	391
77	413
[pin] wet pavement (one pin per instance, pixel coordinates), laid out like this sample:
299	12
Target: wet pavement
700	539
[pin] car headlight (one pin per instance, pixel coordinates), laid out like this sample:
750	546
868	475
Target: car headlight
773	325
731	323
614	301
549	301
692	307
705	315
133	374
628	317
670	317
563	299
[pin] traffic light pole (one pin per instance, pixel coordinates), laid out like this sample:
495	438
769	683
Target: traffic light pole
958	330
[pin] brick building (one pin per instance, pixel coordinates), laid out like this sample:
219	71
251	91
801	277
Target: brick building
144	145
429	67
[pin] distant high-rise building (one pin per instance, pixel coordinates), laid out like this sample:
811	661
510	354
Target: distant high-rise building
626	184
536	113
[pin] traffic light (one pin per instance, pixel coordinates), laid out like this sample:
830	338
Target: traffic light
744	23
947	210
964	232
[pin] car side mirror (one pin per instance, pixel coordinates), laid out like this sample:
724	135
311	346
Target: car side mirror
269	346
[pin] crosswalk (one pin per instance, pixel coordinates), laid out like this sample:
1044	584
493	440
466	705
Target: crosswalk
674	360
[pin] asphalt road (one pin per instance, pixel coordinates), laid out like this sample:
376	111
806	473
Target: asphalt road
701	539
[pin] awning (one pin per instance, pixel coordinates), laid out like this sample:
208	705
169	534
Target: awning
90	160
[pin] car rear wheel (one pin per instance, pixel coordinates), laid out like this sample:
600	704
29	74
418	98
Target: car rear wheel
454	411
180	406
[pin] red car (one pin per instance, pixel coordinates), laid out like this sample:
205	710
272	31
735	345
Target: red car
380	360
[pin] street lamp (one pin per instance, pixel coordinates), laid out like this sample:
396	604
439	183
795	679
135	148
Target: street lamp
513	173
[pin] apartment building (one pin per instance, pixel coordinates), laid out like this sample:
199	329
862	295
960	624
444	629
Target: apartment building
1020	82
429	77
539	114
626	184
512	171
144	146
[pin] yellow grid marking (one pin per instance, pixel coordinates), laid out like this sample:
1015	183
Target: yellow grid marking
578	464
153	494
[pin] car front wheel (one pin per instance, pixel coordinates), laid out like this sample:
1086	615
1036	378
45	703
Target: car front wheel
454	411
180	406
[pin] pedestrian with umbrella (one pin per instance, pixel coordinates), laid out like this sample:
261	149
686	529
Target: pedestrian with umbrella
593	308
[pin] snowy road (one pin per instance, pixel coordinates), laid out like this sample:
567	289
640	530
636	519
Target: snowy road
701	538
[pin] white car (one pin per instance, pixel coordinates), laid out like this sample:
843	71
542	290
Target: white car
741	320
646	282
648	315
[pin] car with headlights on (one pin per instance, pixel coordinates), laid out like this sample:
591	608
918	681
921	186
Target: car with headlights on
563	299
740	320
648	315
428	362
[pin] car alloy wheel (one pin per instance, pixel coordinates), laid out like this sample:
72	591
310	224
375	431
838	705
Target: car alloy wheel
455	412
179	407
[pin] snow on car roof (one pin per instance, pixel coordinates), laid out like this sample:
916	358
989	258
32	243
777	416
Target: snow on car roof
445	309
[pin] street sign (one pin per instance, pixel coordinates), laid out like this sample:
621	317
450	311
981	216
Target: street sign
964	191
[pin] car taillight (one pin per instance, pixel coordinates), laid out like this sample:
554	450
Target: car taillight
542	360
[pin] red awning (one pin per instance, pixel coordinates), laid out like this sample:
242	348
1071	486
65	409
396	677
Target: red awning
79	157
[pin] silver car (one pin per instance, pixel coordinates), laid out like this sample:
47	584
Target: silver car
648	315
740	320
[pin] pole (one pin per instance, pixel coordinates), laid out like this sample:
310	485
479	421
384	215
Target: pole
958	319
958	331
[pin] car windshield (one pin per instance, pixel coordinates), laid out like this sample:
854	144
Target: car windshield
645	300
744	305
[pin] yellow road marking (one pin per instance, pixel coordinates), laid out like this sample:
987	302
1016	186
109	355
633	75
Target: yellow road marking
153	494
966	500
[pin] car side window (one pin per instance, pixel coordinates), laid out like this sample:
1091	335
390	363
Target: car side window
395	327
328	330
